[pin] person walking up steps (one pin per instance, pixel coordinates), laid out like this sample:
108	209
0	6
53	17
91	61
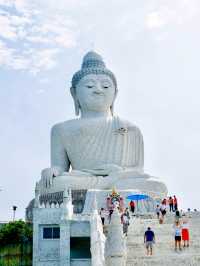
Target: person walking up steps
163	210
158	211
102	215
149	239
177	217
125	221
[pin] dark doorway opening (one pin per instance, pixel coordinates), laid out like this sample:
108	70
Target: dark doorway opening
80	248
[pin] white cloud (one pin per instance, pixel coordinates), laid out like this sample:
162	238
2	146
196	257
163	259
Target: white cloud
173	13
33	60
5	54
6	3
155	20
7	30
24	26
48	25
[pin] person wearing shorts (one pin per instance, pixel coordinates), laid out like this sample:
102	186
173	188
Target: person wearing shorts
149	240
185	233
177	235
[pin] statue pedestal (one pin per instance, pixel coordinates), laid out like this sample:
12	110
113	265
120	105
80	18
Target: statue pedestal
86	187
143	206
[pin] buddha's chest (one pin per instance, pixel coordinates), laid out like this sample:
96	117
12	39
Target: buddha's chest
103	140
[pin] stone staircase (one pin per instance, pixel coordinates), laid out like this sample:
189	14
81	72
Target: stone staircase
163	252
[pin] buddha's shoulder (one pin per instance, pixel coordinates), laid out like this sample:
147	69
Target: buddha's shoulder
74	126
66	126
127	124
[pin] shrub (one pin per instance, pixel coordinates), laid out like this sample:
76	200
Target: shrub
15	232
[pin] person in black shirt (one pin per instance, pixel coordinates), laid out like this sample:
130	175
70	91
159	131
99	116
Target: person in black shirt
149	239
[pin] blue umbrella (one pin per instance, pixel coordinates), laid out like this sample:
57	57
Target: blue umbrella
138	197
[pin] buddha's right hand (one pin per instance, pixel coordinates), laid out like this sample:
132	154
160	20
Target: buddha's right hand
48	174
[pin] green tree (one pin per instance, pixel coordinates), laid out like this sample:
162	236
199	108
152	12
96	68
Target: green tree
15	233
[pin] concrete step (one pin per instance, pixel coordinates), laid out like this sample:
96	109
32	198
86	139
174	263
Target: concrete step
178	259
163	251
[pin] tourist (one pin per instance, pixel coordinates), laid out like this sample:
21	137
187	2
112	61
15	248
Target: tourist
171	205
102	215
149	239
175	203
127	213
110	214
163	208
177	235
164	202
125	222
177	217
185	233
132	206
158	211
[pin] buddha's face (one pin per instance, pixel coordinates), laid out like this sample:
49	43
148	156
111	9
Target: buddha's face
95	92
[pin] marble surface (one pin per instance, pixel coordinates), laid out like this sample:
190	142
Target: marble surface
163	252
98	150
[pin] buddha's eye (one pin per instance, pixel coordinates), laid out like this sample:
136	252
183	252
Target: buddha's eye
90	86
105	86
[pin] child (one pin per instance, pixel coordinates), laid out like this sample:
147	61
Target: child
185	233
177	235
158	211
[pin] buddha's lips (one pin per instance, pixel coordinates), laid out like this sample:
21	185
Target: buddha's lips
98	93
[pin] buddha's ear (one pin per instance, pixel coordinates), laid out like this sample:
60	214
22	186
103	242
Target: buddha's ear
112	106
76	102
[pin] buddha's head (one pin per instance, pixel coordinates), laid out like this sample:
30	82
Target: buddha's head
94	87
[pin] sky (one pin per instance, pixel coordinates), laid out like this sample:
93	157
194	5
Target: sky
152	46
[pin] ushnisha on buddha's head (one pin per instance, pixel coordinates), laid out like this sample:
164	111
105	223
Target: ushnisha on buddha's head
94	87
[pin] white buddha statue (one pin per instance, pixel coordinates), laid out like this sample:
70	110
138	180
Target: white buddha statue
98	150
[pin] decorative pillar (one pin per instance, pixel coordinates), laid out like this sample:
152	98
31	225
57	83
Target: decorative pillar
115	248
37	196
64	242
35	237
67	204
67	212
97	241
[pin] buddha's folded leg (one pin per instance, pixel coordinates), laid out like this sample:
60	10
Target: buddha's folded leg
76	182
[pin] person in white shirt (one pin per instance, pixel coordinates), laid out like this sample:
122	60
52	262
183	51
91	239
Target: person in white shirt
103	215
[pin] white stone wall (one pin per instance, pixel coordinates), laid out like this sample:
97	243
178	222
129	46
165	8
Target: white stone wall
56	252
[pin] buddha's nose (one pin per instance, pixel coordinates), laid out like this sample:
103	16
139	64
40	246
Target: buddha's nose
98	89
